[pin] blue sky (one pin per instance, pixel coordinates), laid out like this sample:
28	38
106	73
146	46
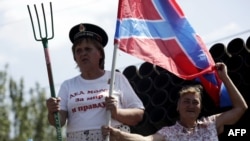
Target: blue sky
213	20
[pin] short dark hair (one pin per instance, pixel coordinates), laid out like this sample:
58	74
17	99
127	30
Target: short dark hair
97	44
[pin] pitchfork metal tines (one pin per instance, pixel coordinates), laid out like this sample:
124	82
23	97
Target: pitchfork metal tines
44	39
39	25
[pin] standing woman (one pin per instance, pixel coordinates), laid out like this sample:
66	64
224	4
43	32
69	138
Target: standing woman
189	127
83	100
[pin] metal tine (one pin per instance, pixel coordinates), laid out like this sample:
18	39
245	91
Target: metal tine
52	22
38	21
32	23
45	23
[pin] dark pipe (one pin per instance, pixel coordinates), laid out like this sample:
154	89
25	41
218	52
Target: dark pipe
236	78
239	64
219	52
145	86
172	114
158	117
160	69
176	81
246	80
132	73
162	80
133	85
146	100
144	127
245	71
235	63
237	47
241	82
248	43
148	70
174	95
160	98
247	60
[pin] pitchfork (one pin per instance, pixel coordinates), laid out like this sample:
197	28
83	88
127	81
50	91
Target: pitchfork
47	58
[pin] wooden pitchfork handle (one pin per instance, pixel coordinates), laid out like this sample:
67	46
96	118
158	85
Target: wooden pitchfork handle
47	59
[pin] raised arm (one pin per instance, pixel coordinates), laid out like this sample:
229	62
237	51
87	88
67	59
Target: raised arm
239	105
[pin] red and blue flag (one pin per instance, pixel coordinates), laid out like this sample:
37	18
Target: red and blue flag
157	31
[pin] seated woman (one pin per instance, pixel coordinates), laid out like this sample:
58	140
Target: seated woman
189	127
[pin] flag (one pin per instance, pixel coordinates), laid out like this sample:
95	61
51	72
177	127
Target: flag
157	31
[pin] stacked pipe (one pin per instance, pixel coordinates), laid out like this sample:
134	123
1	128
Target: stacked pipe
157	87
236	56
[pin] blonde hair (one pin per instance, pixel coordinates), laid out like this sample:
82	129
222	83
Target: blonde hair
195	89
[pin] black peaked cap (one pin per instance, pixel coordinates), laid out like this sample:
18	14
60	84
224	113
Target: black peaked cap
88	30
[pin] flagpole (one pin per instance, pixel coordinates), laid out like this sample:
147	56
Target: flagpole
111	85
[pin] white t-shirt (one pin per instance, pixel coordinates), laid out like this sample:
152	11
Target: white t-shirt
84	100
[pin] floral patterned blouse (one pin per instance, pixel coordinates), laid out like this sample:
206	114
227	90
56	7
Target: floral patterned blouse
205	130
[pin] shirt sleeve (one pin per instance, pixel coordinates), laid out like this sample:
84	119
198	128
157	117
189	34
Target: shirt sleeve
129	98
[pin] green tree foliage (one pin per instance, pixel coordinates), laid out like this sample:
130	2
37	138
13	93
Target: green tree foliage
4	112
23	114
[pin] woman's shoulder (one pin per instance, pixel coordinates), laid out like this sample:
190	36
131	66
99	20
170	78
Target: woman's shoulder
70	80
118	75
116	72
168	129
